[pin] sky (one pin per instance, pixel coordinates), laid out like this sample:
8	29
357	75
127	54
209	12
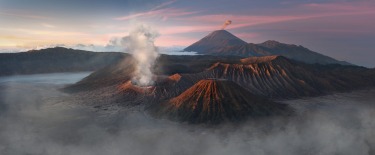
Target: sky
342	29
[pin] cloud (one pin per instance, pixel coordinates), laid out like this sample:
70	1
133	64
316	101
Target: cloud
48	25
170	40
163	13
247	36
162	5
170	30
340	6
241	21
24	15
45	121
45	32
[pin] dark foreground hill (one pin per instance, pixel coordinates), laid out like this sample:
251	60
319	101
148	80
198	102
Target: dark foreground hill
57	59
214	101
279	77
165	65
221	42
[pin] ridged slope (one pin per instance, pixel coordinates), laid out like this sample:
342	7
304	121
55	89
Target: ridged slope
268	76
114	74
216	100
267	48
279	77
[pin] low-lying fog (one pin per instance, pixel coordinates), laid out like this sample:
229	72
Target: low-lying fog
37	119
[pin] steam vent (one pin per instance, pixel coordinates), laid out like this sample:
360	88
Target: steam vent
215	100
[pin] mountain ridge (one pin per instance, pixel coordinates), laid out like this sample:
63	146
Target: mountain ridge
210	46
174	95
53	60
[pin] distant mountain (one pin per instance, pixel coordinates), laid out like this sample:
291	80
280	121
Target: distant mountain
56	59
215	40
222	42
294	52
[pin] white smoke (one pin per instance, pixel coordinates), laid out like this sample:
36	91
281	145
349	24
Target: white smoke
140	43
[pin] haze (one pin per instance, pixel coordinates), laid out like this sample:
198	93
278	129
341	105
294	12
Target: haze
342	29
36	118
197	77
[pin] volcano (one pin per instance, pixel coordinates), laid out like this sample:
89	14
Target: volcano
222	42
220	88
214	101
215	40
275	77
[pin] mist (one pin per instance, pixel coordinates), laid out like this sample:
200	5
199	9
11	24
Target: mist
37	118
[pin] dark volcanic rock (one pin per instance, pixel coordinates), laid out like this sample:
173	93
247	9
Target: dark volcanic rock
269	76
123	70
279	77
214	101
196	97
115	74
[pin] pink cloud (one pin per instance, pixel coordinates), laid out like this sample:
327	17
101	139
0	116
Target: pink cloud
162	5
166	40
24	15
169	30
164	13
299	13
247	36
193	21
340	6
240	21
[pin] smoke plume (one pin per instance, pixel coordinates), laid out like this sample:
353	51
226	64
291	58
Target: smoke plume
228	22
140	43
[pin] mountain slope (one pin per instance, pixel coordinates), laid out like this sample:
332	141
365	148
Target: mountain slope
227	90
216	100
56	59
279	77
294	52
224	43
123	70
114	74
216	39
268	76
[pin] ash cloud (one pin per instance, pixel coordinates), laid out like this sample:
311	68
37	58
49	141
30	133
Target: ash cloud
226	23
38	119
